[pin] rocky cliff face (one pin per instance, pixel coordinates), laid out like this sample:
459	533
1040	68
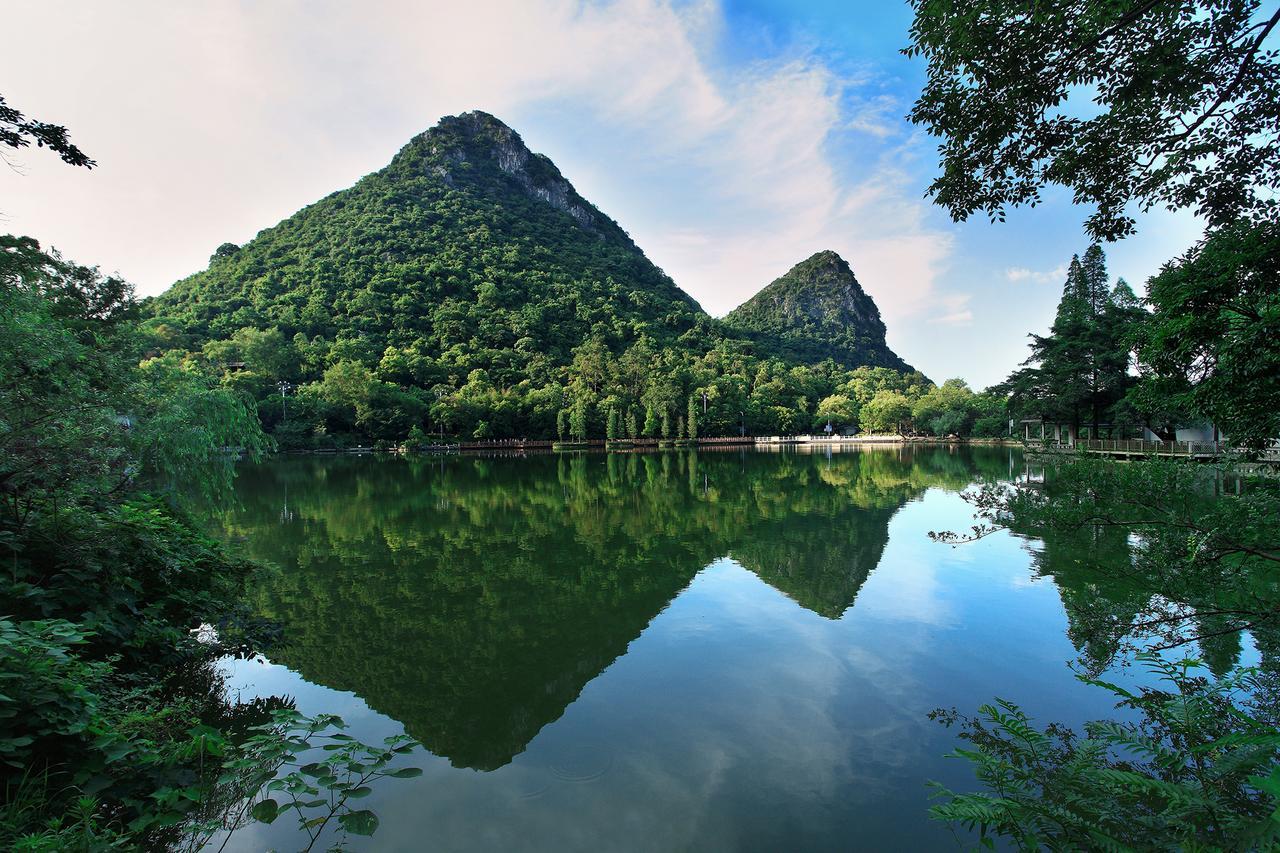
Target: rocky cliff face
462	144
818	310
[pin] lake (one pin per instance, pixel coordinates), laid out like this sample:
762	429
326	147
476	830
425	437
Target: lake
713	650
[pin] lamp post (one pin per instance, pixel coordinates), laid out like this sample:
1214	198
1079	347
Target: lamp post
439	420
285	387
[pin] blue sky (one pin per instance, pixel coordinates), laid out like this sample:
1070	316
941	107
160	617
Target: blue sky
731	139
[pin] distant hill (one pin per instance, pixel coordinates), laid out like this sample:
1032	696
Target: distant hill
818	310
467	247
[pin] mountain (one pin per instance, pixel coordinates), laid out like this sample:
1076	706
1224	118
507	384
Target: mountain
467	248
818	310
468	289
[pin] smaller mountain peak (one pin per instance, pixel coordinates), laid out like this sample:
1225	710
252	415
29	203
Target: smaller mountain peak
817	310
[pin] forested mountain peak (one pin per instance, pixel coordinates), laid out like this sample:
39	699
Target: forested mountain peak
468	251
469	288
459	146
817	310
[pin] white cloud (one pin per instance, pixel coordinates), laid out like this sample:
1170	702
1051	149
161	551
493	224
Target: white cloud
877	116
212	121
955	311
1019	274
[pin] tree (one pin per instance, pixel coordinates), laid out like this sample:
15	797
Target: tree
650	422
578	411
1082	366
993	414
838	410
1182	110
103	583
691	424
886	412
349	386
267	352
948	409
1212	343
611	425
18	131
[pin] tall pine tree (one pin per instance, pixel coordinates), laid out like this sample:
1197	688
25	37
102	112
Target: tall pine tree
1082	366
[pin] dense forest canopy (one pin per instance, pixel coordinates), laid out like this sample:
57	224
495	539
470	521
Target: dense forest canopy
818	310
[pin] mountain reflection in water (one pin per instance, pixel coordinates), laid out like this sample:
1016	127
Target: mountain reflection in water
472	599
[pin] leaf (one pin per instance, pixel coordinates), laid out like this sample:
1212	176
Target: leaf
265	811
357	793
405	773
362	822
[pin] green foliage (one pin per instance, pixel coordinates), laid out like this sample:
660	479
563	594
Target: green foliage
887	411
81	418
650	422
309	766
1080	372
817	311
416	437
839	410
468	282
948	409
100	740
183	421
1163	104
1212	343
18	131
1196	771
46	691
1208	541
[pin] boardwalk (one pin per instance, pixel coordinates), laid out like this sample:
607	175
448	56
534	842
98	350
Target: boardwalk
1132	448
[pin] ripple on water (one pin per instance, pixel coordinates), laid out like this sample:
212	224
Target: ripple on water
533	785
582	763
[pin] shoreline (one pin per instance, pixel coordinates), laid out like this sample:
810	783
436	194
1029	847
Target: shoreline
643	444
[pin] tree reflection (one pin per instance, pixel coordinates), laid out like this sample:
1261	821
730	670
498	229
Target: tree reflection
473	599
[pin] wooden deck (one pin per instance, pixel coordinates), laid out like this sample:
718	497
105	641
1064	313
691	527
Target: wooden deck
1133	448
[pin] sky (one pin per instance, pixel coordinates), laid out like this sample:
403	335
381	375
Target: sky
731	139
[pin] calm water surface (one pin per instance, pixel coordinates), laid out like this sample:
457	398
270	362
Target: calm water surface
716	651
